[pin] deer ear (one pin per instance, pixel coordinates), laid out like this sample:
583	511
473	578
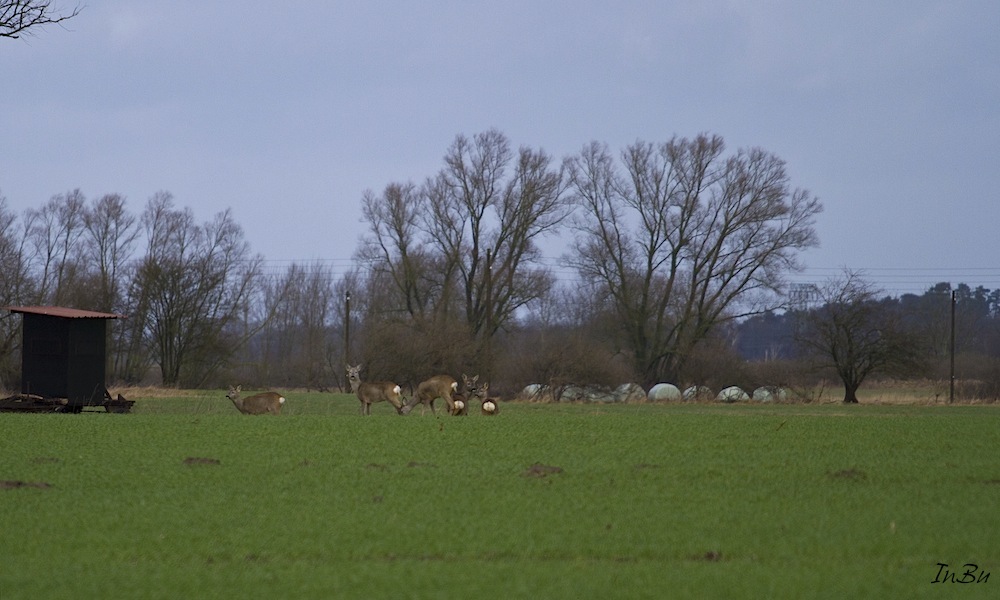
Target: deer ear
239	388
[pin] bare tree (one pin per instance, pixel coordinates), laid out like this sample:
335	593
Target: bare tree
858	332
17	286
296	310
56	231
491	203
680	239
112	236
194	282
461	252
19	17
394	249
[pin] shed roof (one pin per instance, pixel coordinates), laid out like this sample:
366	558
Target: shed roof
61	311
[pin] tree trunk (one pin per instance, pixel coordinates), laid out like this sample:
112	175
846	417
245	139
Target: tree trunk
850	394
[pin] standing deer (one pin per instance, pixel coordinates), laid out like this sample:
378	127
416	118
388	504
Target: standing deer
374	391
490	406
461	399
439	386
470	384
258	404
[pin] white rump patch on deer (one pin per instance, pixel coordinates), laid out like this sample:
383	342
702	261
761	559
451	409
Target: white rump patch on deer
397	389
459	405
489	406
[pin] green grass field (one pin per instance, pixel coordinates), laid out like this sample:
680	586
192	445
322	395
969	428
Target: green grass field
186	498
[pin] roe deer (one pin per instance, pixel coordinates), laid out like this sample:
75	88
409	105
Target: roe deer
439	386
490	406
461	399
258	404
460	406
470	384
374	391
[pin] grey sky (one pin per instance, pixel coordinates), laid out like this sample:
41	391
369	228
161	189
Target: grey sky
888	111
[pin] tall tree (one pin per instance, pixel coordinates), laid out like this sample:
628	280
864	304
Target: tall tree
293	345
110	242
858	332
17	287
681	238
395	251
112	234
56	232
489	202
195	282
462	249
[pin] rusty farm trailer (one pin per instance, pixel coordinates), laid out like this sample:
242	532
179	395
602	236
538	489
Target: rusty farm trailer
63	361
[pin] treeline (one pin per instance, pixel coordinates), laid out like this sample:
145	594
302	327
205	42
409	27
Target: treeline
680	251
771	336
186	286
945	330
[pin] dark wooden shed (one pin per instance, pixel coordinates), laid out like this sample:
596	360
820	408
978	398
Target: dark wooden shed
63	358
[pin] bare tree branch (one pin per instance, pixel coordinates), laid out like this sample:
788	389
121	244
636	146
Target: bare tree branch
21	16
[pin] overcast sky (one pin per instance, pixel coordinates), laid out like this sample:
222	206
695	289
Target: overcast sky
888	111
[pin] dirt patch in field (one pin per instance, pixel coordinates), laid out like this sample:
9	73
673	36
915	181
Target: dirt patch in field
710	556
849	475
14	484
540	470
256	558
195	460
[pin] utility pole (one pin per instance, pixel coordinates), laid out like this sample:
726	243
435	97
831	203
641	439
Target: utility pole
347	328
951	351
489	315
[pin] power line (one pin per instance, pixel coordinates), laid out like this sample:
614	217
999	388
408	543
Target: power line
893	281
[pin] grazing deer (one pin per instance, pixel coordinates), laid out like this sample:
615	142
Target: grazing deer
490	406
439	386
460	407
374	391
258	404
